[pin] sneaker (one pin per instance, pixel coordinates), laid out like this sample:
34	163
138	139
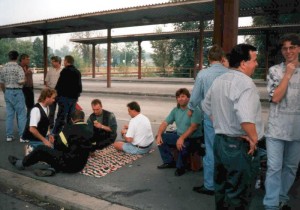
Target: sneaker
28	149
9	139
203	190
16	162
24	140
44	172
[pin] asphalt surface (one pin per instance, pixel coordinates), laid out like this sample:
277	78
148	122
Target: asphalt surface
139	185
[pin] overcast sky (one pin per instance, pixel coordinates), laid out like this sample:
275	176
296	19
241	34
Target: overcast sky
18	11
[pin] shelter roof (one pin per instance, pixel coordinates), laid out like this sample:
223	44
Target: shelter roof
250	30
171	12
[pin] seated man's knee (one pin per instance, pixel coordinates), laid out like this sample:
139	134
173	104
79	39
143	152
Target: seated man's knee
118	145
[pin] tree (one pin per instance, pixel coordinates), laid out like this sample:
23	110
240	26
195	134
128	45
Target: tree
37	57
162	56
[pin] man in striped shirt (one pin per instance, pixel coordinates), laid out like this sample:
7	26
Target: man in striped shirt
234	106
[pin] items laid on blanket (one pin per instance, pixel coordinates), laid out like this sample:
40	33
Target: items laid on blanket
106	161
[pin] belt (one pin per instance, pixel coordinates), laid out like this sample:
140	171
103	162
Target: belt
143	147
13	88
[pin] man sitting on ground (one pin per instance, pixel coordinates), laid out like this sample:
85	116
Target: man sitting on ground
71	150
104	125
138	134
189	130
38	123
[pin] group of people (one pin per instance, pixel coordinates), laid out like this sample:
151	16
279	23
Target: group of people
224	109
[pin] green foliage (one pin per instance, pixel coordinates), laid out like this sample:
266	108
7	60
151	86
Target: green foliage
37	57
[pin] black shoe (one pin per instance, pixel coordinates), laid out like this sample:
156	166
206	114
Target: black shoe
167	165
12	159
44	172
179	171
203	190
283	206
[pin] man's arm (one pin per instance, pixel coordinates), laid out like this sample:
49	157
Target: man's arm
186	134
163	126
251	137
2	86
37	134
281	89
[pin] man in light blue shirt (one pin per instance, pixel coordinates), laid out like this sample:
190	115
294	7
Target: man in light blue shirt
203	82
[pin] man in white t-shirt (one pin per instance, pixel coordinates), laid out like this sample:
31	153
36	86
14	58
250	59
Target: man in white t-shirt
138	134
37	125
50	82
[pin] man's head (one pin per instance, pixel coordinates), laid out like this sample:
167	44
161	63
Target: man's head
77	116
243	57
290	47
13	55
56	61
69	60
97	107
215	53
24	60
182	97
133	109
47	96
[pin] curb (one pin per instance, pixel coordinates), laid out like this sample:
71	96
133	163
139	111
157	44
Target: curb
55	194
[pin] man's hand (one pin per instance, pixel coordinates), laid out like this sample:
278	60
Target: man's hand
180	143
190	113
159	140
290	69
48	143
51	139
251	143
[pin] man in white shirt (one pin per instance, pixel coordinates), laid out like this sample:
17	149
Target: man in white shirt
50	82
138	134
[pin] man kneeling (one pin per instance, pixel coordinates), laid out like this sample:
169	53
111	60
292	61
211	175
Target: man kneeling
70	154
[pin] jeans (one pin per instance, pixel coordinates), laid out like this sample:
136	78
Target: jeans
66	106
15	105
283	159
131	149
169	140
208	159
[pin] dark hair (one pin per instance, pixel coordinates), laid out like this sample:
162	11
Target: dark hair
239	53
56	59
13	55
183	91
78	115
95	102
134	106
215	53
69	59
46	93
23	56
293	38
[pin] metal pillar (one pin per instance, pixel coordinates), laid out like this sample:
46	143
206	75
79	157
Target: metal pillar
226	23
109	57
45	49
93	60
140	61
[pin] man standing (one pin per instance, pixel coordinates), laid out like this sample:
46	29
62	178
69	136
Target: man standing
38	122
104	125
71	150
28	86
68	89
12	79
283	133
233	104
50	82
203	82
188	132
138	134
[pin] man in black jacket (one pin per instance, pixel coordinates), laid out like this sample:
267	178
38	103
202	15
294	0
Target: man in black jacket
71	150
68	89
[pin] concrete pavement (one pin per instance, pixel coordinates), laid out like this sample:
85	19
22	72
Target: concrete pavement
135	186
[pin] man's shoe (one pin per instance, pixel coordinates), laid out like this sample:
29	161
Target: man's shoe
284	206
167	165
16	162
23	140
44	172
203	190
179	171
9	139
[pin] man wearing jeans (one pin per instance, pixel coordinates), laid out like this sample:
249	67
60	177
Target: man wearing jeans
68	89
283	133
12	79
203	82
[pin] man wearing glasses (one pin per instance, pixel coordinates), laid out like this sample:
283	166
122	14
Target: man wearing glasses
283	133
